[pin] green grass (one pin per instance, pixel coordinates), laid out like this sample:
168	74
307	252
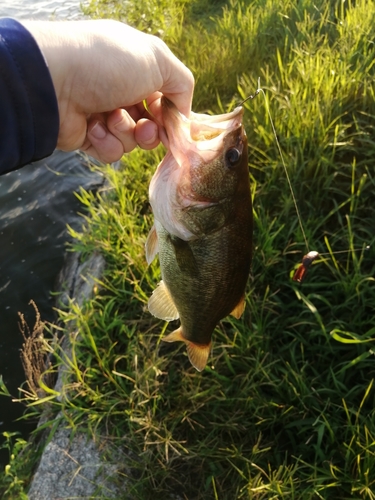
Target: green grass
285	408
18	471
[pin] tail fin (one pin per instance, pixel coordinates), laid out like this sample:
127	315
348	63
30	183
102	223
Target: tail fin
198	353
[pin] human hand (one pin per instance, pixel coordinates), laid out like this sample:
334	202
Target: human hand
102	71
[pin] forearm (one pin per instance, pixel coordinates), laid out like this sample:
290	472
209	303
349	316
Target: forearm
29	122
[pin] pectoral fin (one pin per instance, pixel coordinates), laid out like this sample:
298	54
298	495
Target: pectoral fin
151	246
161	304
198	353
239	309
184	256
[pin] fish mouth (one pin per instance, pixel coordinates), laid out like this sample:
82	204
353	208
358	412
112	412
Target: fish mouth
196	157
200	133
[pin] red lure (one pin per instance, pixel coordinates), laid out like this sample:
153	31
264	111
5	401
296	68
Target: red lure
300	274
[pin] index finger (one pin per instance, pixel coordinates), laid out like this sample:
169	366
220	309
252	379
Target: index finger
178	80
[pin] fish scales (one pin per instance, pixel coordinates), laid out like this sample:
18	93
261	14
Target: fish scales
209	290
200	195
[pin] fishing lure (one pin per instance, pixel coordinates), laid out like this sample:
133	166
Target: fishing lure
311	255
300	273
307	260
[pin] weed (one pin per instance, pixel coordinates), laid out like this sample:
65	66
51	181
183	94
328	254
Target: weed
17	473
34	356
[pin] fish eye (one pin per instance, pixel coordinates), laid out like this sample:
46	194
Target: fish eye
232	156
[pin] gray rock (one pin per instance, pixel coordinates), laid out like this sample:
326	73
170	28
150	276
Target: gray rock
73	469
73	466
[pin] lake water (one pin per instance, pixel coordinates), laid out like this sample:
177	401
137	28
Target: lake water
36	204
41	9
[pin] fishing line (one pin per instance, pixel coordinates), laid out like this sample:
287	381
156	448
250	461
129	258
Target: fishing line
307	259
259	89
367	247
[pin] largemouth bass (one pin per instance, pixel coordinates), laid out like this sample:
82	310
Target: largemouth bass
201	201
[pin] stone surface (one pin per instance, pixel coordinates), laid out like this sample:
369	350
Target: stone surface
72	467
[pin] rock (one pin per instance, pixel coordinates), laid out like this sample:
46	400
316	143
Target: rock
73	466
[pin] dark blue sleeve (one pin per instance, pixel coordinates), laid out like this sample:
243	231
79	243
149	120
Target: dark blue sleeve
29	117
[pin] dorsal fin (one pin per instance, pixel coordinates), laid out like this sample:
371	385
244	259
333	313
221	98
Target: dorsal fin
239	309
151	245
161	304
198	353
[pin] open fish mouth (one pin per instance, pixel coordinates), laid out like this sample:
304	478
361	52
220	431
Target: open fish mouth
195	161
200	133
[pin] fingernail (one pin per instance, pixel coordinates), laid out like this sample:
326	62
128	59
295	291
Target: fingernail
151	140
122	123
122	126
98	131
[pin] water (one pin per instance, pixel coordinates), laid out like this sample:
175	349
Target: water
41	9
36	204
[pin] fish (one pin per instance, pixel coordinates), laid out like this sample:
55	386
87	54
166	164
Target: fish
201	201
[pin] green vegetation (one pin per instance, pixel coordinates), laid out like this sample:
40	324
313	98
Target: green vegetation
18	471
285	408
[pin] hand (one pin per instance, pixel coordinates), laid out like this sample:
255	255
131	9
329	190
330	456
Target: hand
102	71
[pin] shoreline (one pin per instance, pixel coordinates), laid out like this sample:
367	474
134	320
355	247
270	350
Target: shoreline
73	468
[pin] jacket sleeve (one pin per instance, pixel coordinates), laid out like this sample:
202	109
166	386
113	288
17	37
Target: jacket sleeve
29	118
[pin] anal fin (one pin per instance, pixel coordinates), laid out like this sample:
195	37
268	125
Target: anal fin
161	304
175	336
